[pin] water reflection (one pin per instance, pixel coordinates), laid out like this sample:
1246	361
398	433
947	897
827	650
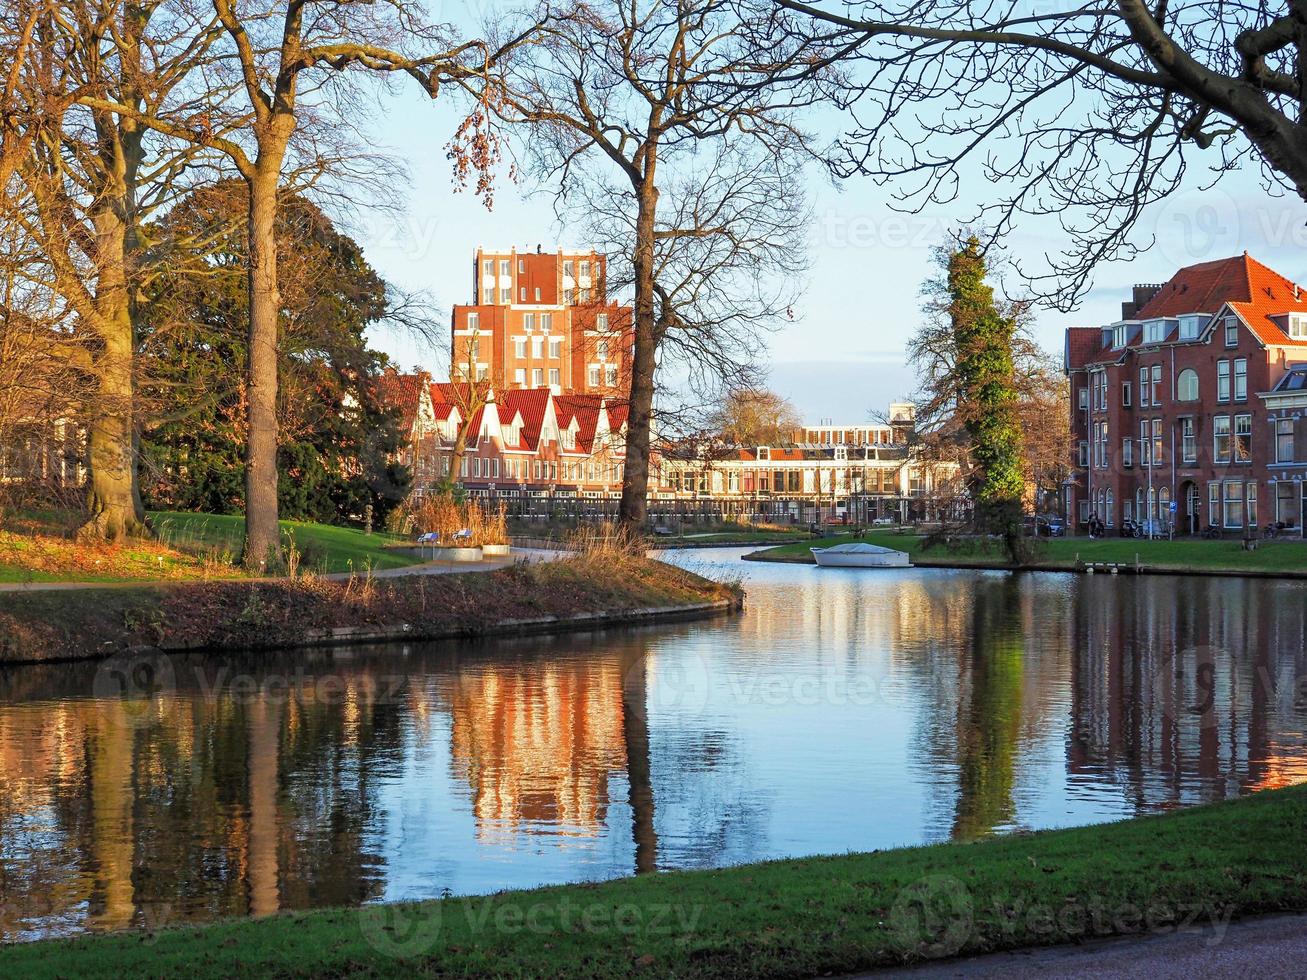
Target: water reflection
843	711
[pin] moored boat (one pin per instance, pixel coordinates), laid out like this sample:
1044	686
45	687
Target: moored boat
860	555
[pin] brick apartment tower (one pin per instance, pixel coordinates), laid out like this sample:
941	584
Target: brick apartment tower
542	320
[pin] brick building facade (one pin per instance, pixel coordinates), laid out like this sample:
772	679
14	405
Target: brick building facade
1189	410
542	320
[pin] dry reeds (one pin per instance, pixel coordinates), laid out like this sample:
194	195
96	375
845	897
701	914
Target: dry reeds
443	516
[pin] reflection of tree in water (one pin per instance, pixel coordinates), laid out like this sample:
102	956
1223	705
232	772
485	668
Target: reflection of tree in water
989	713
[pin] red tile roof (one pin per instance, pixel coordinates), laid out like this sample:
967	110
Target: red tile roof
1082	343
1252	289
533	404
585	410
402	391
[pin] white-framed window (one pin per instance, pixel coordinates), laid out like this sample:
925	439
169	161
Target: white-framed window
1119	334
555	377
1243	438
528	322
538	377
488	267
585	268
603	350
1233	503
1286	503
1125	394
1145	444
601	321
519	348
546	321
1231	331
1298	326
555	349
611	375
1284	448
1143	387
1214	504
1189	327
519	376
483	372
1221	438
1222	381
1127	453
1084	399
569	268
1188	440
474	321
1156	392
593	375
569	297
1159	444
538	347
505	267
1241	379
521	293
505	294
1154	331
1186	386
537	294
521	266
489	295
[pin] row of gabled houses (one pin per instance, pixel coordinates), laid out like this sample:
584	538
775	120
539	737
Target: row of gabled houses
520	442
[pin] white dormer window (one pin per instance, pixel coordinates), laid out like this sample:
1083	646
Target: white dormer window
1298	326
1189	327
1154	331
764	452
1118	336
1231	332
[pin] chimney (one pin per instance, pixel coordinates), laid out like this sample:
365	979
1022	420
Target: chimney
1142	295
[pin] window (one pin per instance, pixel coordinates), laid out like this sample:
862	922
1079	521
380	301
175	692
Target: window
505	269
1158	450
555	349
1243	438
519	377
1252	504
1156	393
537	377
1128	510
1241	379
474	322
1221	438
1286	503
1154	331
1186	386
476	465
585	295
538	347
1108	507
1127	453
519	348
601	321
483	372
496	466
1119	336
554	377
489	293
569	297
528	322
603	350
593	375
474	349
1145	443
1233	503
488	266
1298	326
1083	453
1284	440
521	266
537	294
1143	386
569	268
1231	332
546	322
521	293
585	269
611	375
1188	441
1084	399
1214	504
1189	326
1100	391
1125	393
1222	381
505	294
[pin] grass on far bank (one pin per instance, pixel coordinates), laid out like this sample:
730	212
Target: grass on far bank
40	548
1185	554
796	918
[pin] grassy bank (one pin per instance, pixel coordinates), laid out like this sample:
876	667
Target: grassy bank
1062	553
798	918
77	623
40	548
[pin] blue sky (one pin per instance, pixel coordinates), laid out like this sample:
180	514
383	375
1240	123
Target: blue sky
843	356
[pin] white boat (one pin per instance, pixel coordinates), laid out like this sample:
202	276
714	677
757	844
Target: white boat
860	555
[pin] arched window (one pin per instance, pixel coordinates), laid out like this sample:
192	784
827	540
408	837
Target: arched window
1108	516
1186	388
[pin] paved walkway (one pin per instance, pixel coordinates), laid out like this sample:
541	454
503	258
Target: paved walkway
427	568
1266	948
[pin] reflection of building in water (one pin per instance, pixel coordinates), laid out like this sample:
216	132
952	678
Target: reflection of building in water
537	742
1179	683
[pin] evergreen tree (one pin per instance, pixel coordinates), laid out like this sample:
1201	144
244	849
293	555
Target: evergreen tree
337	439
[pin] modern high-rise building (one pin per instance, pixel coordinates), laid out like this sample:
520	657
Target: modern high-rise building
542	320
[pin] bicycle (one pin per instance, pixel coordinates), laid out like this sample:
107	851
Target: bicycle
1211	533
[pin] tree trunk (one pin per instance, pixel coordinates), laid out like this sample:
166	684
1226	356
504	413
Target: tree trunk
262	532
457	453
635	478
111	492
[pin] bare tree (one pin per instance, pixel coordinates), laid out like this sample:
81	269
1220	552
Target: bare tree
1090	112
471	388
670	131
756	417
292	60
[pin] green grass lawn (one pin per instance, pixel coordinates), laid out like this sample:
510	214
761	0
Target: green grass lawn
797	918
1181	555
322	546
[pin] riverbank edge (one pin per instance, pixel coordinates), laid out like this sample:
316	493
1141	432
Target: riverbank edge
1081	568
398	631
800	917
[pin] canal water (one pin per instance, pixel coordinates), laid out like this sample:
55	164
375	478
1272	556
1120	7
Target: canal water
844	710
